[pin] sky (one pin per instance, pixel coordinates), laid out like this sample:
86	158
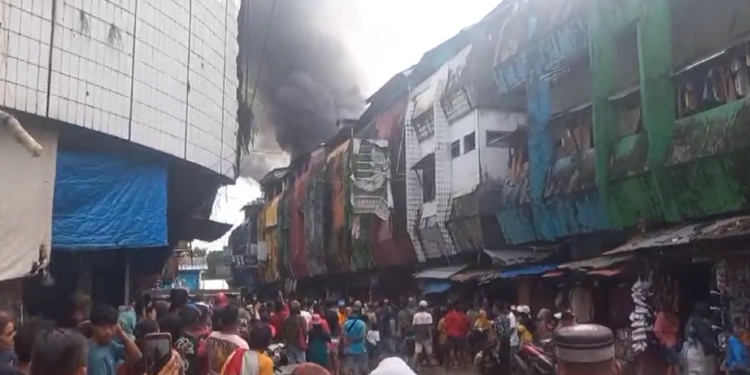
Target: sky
389	37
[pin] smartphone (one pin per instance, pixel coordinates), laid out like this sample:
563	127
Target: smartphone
157	351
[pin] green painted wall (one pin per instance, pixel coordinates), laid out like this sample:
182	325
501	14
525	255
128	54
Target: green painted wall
672	170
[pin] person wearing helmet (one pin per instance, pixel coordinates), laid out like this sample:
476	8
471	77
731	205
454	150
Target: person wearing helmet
422	325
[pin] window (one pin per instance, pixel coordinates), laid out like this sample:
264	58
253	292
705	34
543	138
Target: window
712	82
428	184
470	142
455	149
455	103
424	125
495	138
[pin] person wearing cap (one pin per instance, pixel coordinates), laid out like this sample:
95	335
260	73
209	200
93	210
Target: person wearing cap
319	341
422	325
586	349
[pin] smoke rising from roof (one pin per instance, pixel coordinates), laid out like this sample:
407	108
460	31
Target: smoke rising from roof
308	78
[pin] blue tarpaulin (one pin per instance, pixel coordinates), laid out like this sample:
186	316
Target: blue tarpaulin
108	201
434	286
536	269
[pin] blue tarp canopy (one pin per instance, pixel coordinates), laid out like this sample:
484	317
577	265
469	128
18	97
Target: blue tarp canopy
434	286
531	270
108	201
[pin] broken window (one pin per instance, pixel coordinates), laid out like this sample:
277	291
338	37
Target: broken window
719	79
455	103
627	106
424	125
470	142
518	155
428	184
455	149
572	131
495	138
425	169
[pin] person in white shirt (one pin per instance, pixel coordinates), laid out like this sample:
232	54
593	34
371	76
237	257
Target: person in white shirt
514	340
422	325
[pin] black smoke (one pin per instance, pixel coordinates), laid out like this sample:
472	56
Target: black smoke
305	75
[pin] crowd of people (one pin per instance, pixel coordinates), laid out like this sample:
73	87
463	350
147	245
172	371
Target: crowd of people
226	336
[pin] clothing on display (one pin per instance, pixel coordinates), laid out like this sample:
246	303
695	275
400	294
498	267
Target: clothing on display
582	303
641	318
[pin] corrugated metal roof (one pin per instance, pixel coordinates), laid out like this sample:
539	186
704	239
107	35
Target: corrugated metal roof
511	257
470	275
668	237
598	262
440	272
537	269
683	234
731	227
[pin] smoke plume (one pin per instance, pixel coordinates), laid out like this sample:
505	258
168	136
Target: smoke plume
308	78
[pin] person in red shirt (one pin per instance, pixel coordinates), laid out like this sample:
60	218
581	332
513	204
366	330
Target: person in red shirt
281	312
457	327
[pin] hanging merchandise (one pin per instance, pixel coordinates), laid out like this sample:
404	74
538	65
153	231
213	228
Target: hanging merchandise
582	303
740	78
642	316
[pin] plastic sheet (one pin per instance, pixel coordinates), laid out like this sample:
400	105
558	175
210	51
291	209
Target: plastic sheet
108	201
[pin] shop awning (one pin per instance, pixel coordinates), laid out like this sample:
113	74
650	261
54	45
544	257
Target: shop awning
435	286
595	263
683	234
471	275
606	272
511	257
197	228
527	271
440	272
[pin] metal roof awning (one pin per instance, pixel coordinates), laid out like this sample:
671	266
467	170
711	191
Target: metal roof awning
445	272
684	234
203	229
531	270
517	256
471	275
596	263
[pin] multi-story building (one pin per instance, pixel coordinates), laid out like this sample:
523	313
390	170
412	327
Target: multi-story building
634	115
134	104
457	151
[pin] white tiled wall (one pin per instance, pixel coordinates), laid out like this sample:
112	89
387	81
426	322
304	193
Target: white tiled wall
427	95
160	85
149	71
92	61
206	77
25	35
229	123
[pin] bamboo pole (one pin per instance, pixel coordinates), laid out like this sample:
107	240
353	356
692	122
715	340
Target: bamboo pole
22	136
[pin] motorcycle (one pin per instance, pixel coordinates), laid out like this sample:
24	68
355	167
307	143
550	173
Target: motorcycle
277	353
532	359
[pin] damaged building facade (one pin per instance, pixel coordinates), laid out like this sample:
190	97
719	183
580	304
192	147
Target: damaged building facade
562	124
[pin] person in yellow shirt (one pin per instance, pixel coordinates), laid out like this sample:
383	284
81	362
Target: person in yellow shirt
253	360
343	314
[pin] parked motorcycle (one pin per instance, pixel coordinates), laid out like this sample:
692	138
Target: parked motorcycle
533	359
277	352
